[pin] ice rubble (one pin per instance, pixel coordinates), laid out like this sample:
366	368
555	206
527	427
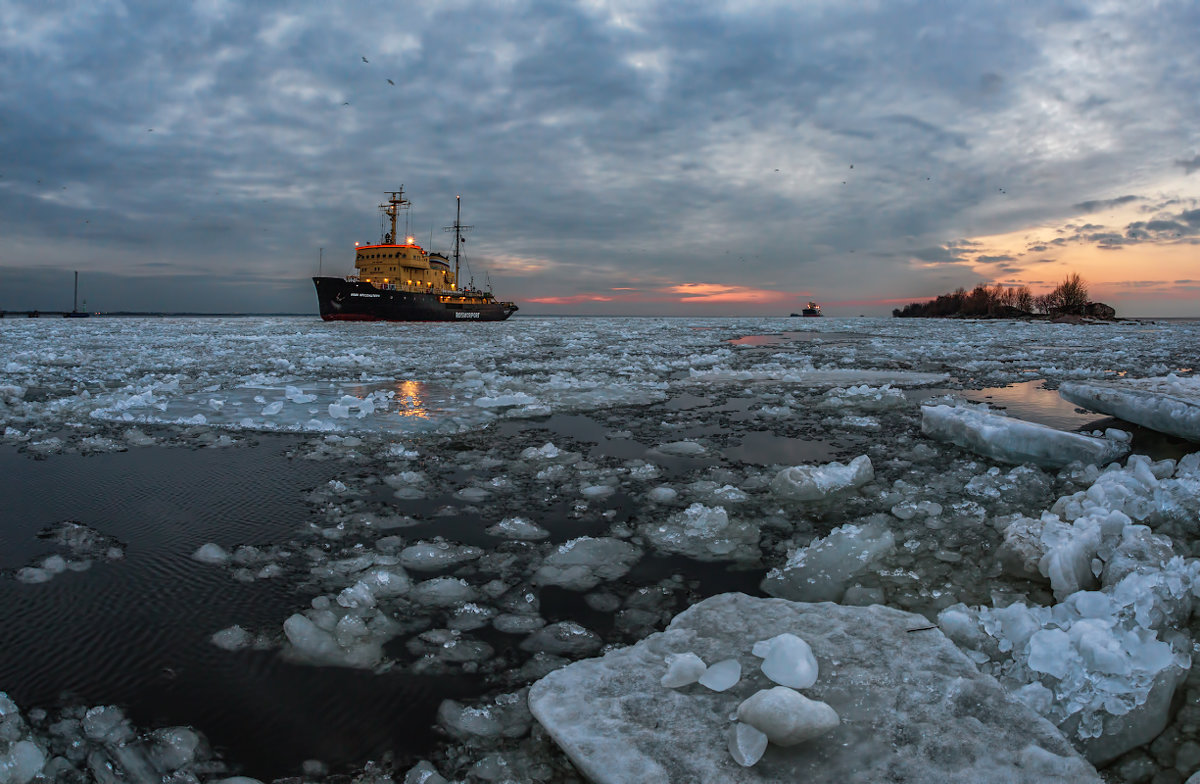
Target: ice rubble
81	545
145	373
618	724
1104	662
1015	441
98	744
1169	404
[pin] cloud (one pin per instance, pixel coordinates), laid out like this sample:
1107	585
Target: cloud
942	254
1104	204
715	292
593	144
1189	166
573	299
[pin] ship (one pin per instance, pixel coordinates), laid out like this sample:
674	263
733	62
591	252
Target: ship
401	281
813	309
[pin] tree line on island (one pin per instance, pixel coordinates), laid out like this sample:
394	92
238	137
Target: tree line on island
1068	299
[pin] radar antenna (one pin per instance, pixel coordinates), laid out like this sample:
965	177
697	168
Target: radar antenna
395	203
458	228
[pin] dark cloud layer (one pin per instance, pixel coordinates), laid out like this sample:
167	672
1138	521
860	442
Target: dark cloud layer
199	151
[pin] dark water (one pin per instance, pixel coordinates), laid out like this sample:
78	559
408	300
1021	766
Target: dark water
135	632
1034	402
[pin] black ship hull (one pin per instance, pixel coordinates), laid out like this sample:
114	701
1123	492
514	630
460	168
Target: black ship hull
346	300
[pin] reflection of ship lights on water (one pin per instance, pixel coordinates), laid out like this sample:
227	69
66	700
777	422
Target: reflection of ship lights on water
410	400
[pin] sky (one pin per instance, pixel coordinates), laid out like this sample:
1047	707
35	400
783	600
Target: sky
626	157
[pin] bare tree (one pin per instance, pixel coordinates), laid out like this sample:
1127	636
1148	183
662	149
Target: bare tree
1071	296
1024	299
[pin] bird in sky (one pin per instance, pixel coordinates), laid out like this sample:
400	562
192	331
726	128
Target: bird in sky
365	60
393	84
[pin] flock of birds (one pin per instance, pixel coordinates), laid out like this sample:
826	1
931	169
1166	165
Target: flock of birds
365	60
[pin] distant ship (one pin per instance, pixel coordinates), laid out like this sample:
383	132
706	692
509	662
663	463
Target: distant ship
813	309
402	282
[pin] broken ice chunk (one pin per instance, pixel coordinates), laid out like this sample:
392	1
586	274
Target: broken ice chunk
432	556
212	553
232	638
788	660
1016	441
787	717
518	528
565	638
814	482
821	571
705	533
663	494
443	592
682	449
722	675
746	744
1169	404
583	563
683	669
22	763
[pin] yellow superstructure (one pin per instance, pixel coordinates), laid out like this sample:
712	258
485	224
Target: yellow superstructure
406	267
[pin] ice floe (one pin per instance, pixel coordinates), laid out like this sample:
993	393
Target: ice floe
1015	441
618	723
1169	404
817	482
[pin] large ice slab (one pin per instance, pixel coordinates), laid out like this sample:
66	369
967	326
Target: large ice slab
1016	441
618	723
1169	404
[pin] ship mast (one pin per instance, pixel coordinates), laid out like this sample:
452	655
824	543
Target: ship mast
458	228
395	203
